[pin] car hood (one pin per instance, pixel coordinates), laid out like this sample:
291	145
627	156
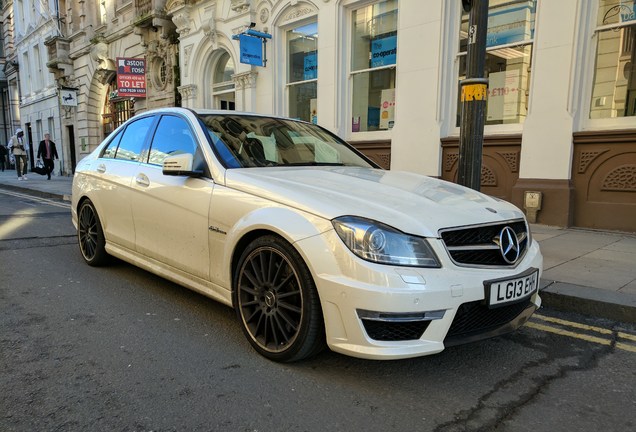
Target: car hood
410	202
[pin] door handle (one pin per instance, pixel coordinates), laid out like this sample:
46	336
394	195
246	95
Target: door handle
142	180
101	168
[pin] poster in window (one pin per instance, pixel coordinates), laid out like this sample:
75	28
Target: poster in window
387	109
313	107
131	77
503	95
383	51
310	66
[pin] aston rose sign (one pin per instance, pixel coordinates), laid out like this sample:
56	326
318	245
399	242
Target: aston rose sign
131	77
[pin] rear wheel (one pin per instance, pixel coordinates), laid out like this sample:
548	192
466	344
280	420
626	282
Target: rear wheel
276	301
90	235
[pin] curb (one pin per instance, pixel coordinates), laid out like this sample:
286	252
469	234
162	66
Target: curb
584	300
38	193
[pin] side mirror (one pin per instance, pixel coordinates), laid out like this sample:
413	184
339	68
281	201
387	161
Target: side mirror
180	165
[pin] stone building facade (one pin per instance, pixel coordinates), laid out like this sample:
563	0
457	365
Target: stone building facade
383	74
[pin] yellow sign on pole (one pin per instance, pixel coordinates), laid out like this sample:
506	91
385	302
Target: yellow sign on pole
473	92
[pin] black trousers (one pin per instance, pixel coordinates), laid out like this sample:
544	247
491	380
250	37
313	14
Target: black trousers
49	166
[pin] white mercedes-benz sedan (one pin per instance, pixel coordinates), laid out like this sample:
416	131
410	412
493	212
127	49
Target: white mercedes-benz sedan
310	242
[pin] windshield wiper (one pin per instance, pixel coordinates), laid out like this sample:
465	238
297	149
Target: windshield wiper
313	164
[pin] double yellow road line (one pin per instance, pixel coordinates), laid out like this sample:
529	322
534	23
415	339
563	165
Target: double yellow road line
598	335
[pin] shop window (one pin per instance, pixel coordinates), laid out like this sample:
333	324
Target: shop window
223	86
374	55
614	89
302	79
508	59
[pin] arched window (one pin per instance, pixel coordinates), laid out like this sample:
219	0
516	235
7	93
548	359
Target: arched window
222	84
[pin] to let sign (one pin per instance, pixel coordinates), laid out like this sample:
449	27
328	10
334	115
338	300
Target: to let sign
131	77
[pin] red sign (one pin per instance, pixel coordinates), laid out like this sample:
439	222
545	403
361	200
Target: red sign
131	77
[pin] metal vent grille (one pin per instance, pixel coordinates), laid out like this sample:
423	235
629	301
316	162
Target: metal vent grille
479	245
395	331
475	318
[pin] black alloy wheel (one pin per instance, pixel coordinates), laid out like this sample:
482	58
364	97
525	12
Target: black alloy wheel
90	235
276	301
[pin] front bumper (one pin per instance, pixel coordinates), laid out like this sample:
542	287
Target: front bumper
386	312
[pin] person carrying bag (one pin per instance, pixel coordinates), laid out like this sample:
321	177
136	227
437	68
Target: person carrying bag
18	148
47	150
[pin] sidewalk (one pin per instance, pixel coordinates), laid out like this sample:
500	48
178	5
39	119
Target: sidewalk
585	271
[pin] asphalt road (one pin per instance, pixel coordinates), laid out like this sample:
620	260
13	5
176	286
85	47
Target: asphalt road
116	348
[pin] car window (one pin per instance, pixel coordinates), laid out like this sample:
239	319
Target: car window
111	148
253	141
172	137
132	141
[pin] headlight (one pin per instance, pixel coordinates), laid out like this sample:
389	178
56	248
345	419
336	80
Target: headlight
379	243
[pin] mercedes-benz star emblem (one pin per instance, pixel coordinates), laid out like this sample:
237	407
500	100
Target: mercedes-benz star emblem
509	245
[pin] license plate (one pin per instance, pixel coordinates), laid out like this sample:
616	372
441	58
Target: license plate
501	292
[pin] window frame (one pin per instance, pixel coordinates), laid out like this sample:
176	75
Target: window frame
610	123
288	83
362	136
492	129
216	94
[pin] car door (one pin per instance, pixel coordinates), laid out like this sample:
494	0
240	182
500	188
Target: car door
113	171
171	212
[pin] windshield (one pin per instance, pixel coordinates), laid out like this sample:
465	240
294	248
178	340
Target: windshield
243	141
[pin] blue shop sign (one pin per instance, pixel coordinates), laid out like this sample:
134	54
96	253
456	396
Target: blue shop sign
310	66
384	51
251	50
510	24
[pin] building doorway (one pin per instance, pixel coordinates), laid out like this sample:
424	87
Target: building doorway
71	143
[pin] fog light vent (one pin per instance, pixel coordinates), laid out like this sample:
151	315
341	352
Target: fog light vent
395	331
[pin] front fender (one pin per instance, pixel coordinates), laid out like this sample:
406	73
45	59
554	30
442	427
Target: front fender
234	215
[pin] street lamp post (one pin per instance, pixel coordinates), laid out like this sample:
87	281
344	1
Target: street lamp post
473	94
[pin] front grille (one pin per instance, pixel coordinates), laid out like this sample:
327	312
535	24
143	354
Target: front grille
475	318
478	245
395	331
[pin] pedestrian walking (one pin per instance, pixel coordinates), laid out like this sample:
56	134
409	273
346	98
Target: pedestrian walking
18	149
47	150
3	156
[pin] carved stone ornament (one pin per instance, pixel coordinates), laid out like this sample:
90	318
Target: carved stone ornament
263	15
187	51
450	160
488	177
182	21
188	91
240	6
587	157
245	80
512	159
174	5
209	25
106	68
298	12
621	179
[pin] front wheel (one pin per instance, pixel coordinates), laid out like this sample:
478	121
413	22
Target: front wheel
276	300
91	236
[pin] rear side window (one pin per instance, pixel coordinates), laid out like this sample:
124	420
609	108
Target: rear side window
172	137
111	148
132	142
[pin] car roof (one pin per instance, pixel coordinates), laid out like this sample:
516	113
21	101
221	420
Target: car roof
206	111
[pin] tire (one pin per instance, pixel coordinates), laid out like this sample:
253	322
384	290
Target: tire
276	301
90	236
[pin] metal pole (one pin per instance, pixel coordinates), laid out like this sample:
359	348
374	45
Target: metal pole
473	94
